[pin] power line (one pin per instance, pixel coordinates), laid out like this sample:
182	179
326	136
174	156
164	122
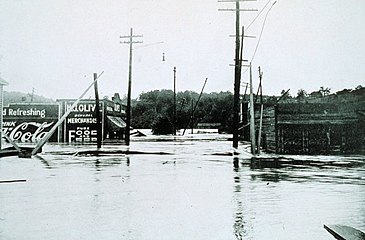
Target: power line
147	45
262	30
258	15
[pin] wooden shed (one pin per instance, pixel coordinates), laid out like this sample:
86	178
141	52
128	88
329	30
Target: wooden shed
331	125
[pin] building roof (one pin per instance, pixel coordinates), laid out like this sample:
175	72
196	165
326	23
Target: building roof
3	82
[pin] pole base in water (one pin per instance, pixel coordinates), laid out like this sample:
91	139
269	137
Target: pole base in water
26	152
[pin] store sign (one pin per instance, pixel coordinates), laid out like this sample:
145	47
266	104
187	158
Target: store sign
114	108
81	123
30	122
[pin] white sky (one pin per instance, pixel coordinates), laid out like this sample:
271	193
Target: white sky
54	46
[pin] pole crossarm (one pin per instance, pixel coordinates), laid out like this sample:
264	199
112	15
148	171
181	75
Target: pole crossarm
131	36
236	0
238	10
128	42
245	36
243	65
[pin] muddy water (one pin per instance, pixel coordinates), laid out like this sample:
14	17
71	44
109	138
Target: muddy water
197	191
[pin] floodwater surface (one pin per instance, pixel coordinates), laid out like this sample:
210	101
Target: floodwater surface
197	190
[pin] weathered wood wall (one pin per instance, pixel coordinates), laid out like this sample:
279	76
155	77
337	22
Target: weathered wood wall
312	128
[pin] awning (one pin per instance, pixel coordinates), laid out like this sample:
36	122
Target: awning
116	123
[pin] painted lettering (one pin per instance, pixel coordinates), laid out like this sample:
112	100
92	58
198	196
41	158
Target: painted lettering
24	131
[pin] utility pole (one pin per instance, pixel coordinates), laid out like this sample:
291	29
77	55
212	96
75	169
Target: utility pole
31	96
252	117
237	70
192	116
194	108
174	124
128	122
261	113
97	113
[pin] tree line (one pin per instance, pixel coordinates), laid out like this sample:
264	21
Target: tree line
155	110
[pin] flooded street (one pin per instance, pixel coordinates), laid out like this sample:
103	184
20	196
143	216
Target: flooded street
197	190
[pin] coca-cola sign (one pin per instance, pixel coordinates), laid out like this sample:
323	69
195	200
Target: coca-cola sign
28	131
30	122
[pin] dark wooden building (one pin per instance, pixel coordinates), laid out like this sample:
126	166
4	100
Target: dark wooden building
329	125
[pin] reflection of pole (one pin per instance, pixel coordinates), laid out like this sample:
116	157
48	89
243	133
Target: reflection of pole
128	122
174	124
97	109
252	116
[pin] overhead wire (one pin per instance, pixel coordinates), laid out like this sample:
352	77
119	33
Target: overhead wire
258	15
262	29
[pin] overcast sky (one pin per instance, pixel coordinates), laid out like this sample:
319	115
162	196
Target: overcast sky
55	46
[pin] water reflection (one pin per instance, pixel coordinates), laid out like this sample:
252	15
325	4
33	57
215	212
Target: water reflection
271	176
44	161
239	225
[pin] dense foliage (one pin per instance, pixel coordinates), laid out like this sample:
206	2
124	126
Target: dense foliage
155	106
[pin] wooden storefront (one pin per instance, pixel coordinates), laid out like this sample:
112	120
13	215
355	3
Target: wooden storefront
81	125
313	128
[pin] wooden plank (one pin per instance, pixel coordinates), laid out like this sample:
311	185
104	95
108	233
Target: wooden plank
7	153
342	232
13	181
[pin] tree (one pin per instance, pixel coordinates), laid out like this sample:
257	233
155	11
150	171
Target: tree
302	94
285	94
324	91
162	126
316	94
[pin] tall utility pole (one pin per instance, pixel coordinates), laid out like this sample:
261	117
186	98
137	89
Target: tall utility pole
97	112
128	122
237	69
261	112
174	124
252	117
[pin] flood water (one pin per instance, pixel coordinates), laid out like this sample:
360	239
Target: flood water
197	191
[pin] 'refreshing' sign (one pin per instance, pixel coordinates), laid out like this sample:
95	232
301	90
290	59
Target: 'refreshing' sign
30	122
